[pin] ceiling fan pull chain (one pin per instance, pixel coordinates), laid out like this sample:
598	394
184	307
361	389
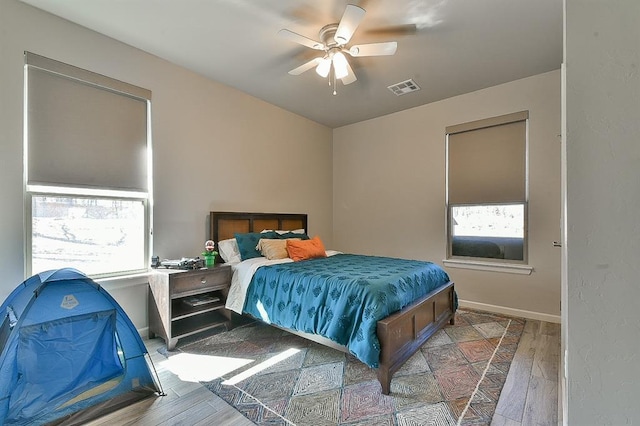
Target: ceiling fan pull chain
335	86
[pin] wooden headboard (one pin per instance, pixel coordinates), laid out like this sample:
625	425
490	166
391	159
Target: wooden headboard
224	225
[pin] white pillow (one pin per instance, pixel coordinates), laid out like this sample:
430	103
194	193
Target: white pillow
295	231
229	251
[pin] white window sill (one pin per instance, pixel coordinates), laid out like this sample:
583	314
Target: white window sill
124	281
508	268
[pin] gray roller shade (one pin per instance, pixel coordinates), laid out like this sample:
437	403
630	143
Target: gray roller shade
487	160
84	129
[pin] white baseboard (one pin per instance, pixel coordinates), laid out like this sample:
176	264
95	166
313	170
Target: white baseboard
509	311
144	332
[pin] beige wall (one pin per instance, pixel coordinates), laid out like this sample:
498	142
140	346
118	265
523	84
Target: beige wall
602	291
215	148
389	189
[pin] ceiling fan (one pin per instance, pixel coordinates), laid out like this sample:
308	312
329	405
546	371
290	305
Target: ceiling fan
334	39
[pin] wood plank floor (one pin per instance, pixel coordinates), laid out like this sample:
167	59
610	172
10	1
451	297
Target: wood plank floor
529	397
530	394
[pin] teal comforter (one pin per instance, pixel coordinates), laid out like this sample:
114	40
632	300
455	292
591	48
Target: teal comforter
340	297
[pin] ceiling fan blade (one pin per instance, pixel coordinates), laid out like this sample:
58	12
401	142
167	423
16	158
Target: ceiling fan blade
374	49
306	66
394	30
300	39
350	20
351	76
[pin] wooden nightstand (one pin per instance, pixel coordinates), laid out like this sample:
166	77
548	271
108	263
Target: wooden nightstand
185	302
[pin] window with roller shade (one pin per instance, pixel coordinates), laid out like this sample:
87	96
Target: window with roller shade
487	189
88	180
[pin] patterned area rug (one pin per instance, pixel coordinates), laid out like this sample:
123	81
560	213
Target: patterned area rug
455	378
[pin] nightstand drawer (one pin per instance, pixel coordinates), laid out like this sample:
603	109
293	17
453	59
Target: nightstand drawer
218	277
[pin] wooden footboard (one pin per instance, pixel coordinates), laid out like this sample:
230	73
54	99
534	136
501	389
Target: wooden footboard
402	333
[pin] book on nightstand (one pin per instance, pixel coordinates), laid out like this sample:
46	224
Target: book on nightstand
200	300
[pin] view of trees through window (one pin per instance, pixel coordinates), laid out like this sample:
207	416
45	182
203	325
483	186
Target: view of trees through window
93	235
495	220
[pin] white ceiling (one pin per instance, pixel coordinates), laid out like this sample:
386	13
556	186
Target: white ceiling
456	47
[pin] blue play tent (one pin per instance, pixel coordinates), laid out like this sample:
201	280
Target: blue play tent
68	352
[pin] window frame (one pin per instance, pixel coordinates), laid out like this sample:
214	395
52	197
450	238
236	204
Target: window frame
51	189
525	254
516	266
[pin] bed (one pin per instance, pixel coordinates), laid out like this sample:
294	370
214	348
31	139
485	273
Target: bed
397	335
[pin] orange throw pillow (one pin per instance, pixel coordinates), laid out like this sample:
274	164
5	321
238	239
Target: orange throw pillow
305	249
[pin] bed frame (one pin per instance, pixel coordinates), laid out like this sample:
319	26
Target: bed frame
400	334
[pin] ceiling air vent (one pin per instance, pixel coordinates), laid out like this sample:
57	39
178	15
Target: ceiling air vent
404	87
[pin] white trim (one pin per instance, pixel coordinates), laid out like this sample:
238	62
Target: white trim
489	266
509	311
92	192
117	283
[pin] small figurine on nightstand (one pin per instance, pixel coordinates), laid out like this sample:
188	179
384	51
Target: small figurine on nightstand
209	253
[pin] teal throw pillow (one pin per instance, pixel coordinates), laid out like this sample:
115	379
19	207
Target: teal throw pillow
247	243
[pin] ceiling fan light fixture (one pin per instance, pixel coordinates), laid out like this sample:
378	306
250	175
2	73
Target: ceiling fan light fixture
334	38
340	65
324	66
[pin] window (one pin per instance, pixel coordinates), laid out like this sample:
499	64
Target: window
487	189
87	171
87	233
